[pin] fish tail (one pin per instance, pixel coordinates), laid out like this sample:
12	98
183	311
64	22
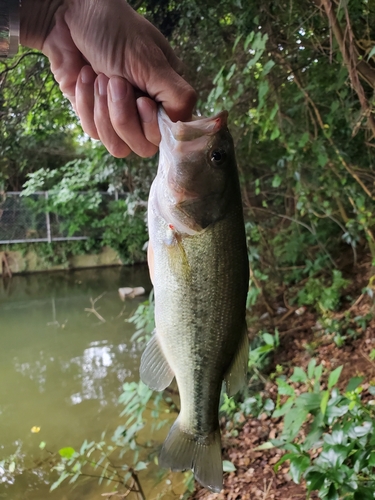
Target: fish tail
182	451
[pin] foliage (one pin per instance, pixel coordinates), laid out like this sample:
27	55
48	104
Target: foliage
316	292
124	229
119	460
11	466
74	197
143	319
57	253
327	433
259	354
339	431
302	145
250	401
35	125
301	111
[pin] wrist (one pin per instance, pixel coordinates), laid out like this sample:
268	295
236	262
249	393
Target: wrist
37	18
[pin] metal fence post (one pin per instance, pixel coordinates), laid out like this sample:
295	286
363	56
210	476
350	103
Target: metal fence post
48	221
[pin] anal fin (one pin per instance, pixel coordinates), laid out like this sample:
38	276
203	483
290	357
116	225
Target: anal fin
236	376
155	370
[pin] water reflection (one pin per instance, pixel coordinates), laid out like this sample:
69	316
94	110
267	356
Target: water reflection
36	372
94	366
61	371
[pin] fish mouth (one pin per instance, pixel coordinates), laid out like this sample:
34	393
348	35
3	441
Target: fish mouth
193	187
195	129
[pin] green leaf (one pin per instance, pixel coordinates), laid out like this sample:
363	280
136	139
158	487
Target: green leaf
284	388
371	53
268	339
279	412
231	71
335	411
337	437
354	383
371	459
57	483
309	401
324	402
318	372
249	39
332	493
312	437
284	458
298	465
236	42
299	375
334	456
265	446
275	134
228	466
322	159
267	67
293	422
334	377
364	493
217	77
304	139
269	405
74	478
140	466
361	430
262	92
315	480
276	181
67	453
311	368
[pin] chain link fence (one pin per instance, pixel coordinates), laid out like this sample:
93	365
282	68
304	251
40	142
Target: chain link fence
25	219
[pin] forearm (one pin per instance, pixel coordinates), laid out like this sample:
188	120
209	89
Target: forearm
36	21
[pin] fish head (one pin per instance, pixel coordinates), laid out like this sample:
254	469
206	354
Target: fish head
198	170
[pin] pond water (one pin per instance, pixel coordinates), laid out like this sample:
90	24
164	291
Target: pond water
62	370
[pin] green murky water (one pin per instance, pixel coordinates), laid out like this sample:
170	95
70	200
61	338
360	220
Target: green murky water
61	370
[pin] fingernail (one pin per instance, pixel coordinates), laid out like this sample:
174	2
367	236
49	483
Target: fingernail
87	75
102	83
146	110
117	89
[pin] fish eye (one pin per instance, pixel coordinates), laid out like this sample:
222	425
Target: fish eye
218	156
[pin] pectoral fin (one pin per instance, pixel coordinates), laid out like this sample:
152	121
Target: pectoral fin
236	376
155	370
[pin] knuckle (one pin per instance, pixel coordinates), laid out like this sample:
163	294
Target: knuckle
90	130
118	149
147	151
119	121
190	96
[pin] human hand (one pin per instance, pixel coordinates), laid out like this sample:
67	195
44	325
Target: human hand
104	55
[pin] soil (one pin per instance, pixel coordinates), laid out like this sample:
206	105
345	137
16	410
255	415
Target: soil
301	338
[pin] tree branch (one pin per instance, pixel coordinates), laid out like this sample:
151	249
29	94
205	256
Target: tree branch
350	54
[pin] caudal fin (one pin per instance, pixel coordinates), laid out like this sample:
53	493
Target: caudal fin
182	451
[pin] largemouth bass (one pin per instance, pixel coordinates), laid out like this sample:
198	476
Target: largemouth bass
199	268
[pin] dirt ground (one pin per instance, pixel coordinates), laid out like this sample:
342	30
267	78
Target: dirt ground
300	340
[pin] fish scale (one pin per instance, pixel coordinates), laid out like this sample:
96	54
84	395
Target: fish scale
200	274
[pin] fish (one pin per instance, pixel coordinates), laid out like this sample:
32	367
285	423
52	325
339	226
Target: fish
199	268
